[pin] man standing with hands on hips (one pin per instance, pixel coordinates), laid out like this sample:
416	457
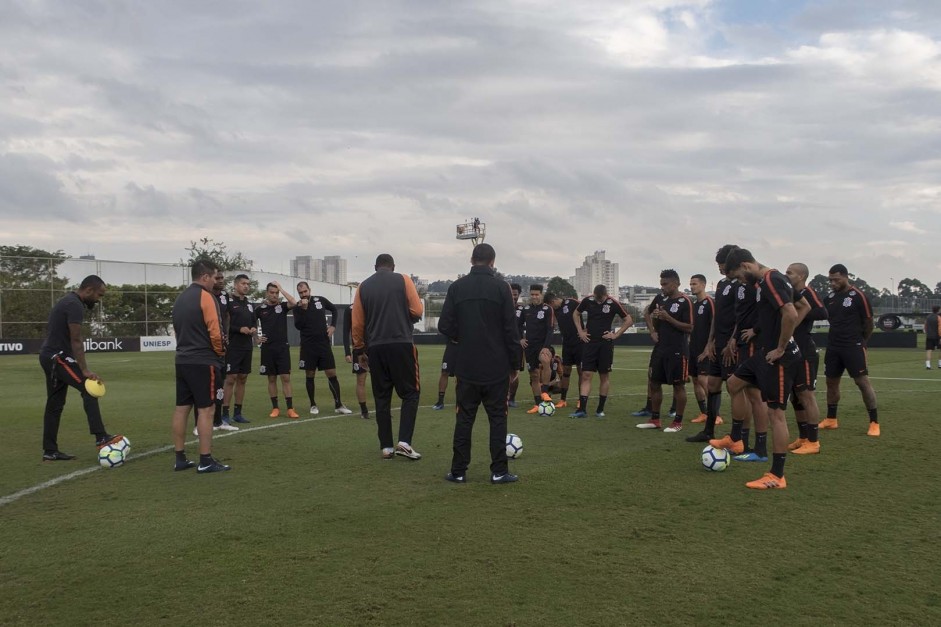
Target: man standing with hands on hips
479	315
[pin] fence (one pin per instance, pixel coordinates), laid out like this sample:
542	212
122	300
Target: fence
138	302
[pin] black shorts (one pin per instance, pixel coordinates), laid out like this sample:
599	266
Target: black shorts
852	359
572	353
316	356
531	356
197	385
670	367
699	368
358	370
932	343
238	361
598	356
774	381
447	362
745	352
717	368
275	360
805	377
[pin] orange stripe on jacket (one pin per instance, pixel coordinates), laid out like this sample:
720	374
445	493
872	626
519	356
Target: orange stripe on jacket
415	306
780	384
864	299
210	308
358	325
774	292
62	363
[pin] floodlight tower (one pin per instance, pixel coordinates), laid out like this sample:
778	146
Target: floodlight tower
475	230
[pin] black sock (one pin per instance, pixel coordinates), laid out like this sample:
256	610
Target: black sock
363	409
565	392
777	464
217	416
601	401
205	460
238	410
654	415
545	389
225	411
831	410
583	403
673	407
441	398
712	410
745	434
873	415
702	406
180	456
802	430
761	444
716	399
309	383
274	402
648	406
289	401
812	432
537	399
678	418
334	385
737	430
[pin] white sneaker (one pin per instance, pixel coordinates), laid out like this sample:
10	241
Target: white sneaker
405	450
388	453
314	410
342	409
226	427
196	431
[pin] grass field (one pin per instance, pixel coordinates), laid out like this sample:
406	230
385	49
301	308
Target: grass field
609	525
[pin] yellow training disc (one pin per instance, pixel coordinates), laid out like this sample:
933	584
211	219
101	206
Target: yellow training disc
95	388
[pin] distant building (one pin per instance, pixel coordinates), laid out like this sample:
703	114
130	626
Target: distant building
596	270
330	269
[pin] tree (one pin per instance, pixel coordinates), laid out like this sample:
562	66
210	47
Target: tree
937	289
913	288
29	286
208	248
820	284
128	310
561	287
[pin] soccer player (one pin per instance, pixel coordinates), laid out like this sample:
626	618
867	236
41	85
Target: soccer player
478	315
536	324
272	315
62	357
671	366
385	309
723	329
645	411
804	400
238	356
704	310
598	349
743	348
310	318
564	309
218	291
932	336
771	366
850	329
197	324
447	371
516	289
359	371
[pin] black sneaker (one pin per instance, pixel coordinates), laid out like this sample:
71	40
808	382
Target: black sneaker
702	436
107	439
642	413
365	415
453	478
57	456
240	419
184	465
214	466
504	478
438	406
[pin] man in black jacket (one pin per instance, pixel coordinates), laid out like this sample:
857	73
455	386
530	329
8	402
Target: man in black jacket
478	314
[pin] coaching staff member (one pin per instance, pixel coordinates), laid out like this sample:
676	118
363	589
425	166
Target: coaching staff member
479	315
62	357
385	309
197	324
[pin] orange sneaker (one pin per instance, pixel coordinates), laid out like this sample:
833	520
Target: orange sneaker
293	415
736	448
534	410
274	413
808	448
767	482
546	397
874	429
829	423
699	418
796	444
719	420
561	404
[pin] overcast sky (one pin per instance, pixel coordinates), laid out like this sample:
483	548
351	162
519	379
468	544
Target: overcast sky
655	129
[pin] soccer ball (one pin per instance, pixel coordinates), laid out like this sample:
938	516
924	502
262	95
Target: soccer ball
514	446
546	408
715	459
113	455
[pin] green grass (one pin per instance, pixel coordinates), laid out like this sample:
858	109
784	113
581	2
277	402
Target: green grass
608	525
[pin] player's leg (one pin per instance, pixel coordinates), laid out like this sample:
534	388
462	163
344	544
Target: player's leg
657	375
407	381
757	410
492	396
584	385
604	386
67	371
869	400
442	387
699	388
833	368
361	393
56	392
328	364
736	385
678	370
288	390
467	401
273	395
382	387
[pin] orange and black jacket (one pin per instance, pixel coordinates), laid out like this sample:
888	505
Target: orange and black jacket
385	309
197	324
